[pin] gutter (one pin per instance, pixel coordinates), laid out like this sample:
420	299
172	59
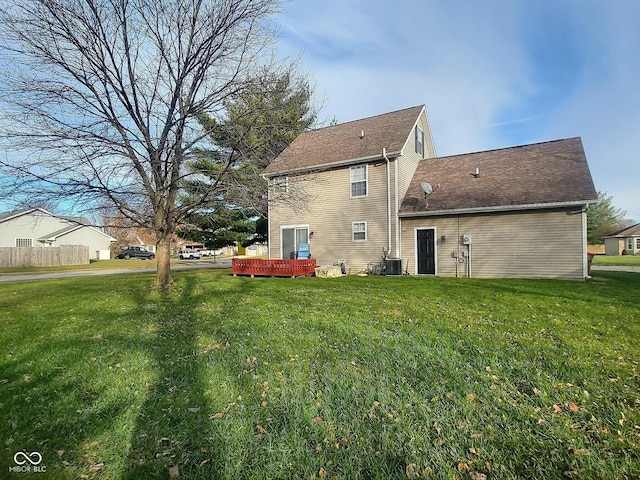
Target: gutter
327	166
503	208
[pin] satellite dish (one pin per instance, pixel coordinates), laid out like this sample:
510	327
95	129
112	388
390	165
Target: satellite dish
426	187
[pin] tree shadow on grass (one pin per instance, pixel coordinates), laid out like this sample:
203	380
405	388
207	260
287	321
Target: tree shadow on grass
176	430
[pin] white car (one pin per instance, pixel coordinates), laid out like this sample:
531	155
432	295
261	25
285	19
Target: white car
188	254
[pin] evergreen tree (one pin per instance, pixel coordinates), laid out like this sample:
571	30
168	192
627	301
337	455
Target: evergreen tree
258	125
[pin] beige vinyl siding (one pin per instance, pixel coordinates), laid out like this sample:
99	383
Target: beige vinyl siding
535	244
327	207
409	160
405	169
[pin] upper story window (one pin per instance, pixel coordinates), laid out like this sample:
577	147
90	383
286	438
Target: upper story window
281	185
419	141
359	182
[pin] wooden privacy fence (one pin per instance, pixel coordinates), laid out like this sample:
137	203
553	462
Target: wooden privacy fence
272	268
44	256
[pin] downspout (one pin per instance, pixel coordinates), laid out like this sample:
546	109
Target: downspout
384	155
268	219
585	248
397	198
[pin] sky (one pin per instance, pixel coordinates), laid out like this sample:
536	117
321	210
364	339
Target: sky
492	73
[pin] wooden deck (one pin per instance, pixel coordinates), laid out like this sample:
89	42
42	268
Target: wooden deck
272	268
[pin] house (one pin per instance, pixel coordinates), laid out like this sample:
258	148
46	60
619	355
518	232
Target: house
623	242
339	188
36	227
373	188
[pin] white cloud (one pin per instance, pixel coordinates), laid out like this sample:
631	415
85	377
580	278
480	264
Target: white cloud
492	73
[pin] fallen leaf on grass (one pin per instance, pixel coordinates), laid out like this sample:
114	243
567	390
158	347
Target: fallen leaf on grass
622	420
412	471
96	467
557	408
261	429
579	452
174	472
477	476
316	420
252	361
463	467
437	427
573	407
216	416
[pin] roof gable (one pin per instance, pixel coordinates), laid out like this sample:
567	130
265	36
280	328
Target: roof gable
18	213
72	228
632	231
345	142
540	174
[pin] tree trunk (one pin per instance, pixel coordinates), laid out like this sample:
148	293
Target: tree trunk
163	251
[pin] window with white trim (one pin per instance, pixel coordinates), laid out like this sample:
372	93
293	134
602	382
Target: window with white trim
359	231
419	141
24	242
281	184
359	182
638	243
629	243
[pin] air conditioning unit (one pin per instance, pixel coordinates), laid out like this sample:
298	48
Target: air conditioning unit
393	266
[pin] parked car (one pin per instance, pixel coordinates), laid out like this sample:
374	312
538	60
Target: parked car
136	252
211	253
188	254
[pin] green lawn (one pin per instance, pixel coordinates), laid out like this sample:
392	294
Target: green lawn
307	378
99	265
618	260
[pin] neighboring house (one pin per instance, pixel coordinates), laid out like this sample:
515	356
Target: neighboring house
624	242
356	192
35	227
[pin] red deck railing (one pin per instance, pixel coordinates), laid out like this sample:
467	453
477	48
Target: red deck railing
273	268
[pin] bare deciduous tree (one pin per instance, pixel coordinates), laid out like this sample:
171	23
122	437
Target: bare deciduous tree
102	97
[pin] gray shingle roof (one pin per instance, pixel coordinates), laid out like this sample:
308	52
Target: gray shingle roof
632	231
339	144
540	174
